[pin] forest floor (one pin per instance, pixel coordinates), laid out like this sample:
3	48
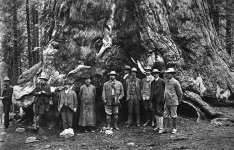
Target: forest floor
191	135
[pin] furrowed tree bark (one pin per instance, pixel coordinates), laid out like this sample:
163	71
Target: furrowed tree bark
228	28
184	34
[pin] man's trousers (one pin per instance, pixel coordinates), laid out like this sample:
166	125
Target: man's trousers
67	116
133	106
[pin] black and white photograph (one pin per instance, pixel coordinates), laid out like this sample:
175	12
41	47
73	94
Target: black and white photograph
117	74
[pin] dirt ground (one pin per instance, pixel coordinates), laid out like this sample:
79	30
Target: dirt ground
191	135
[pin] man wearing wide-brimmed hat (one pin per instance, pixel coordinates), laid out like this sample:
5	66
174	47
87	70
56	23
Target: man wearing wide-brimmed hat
87	96
67	104
133	98
6	100
157	99
111	95
145	94
42	95
173	95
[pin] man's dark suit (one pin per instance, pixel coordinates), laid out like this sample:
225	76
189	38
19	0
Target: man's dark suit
7	95
157	96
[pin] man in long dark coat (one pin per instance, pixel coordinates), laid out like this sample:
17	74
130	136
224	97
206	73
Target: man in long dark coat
157	99
6	100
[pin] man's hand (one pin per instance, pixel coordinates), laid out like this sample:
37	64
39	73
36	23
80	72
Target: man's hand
113	85
75	109
104	101
1	98
51	102
150	106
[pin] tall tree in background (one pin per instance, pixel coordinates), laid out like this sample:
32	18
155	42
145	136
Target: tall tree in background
35	33
15	72
13	39
28	34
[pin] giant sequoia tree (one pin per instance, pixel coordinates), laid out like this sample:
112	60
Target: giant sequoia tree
107	34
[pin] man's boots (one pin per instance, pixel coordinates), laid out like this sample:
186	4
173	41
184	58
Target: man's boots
108	122
148	118
116	122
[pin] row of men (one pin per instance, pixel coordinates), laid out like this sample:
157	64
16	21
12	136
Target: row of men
160	98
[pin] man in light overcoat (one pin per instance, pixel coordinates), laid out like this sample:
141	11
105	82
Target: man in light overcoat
173	96
111	95
87	96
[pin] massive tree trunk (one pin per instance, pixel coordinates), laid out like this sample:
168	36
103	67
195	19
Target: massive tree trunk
184	34
228	27
154	33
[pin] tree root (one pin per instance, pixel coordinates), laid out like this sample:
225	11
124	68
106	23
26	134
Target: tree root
203	109
200	114
195	100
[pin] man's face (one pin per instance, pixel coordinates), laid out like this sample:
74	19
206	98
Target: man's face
168	76
87	81
147	73
66	86
43	81
6	83
156	75
112	77
126	71
133	73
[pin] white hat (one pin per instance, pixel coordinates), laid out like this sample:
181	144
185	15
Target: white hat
6	78
148	68
126	67
156	71
43	76
134	69
170	70
112	73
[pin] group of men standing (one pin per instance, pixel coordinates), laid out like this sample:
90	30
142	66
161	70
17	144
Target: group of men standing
160	98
